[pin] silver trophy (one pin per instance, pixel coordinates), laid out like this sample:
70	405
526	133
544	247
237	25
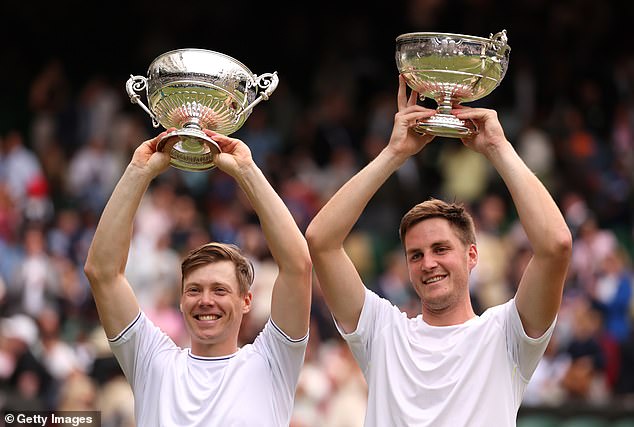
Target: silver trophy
196	89
451	68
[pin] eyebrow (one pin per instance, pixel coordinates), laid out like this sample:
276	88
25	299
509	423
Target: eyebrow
441	243
433	245
213	284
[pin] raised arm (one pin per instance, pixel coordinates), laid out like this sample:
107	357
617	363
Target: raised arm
290	305
341	284
540	290
108	253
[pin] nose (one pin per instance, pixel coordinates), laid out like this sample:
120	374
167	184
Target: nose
206	298
428	263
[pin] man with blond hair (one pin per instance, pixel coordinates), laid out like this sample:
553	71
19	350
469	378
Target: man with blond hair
211	383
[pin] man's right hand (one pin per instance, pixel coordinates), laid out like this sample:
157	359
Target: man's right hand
404	141
148	159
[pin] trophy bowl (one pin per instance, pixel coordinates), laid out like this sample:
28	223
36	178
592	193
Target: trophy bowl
195	89
451	68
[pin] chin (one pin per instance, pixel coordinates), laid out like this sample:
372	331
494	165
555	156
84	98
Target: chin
439	303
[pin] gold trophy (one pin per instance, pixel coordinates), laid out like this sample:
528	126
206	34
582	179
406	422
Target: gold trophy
451	68
196	89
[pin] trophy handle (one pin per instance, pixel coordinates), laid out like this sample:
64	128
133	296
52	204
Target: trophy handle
498	41
138	84
268	83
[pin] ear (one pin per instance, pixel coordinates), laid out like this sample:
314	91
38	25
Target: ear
472	256
246	302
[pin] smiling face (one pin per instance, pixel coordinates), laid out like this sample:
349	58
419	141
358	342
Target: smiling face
213	307
439	263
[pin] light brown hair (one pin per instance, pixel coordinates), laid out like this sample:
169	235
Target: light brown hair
455	213
216	252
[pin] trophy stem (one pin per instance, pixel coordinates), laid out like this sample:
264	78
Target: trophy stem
444	123
192	124
444	104
190	148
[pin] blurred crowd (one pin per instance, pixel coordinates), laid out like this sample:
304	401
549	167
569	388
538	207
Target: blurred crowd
572	123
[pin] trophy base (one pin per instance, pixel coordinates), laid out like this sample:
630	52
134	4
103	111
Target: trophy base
190	149
446	125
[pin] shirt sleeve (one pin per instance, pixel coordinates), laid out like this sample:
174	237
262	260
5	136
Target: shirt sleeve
524	350
136	347
376	311
284	355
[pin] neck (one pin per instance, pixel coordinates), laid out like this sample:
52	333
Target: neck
213	350
449	316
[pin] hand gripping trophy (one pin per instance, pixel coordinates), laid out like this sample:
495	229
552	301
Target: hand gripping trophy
451	68
195	89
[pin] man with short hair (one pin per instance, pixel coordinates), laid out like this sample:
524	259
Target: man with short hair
212	383
446	367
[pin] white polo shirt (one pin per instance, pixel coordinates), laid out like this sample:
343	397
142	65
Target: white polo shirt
471	375
172	387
